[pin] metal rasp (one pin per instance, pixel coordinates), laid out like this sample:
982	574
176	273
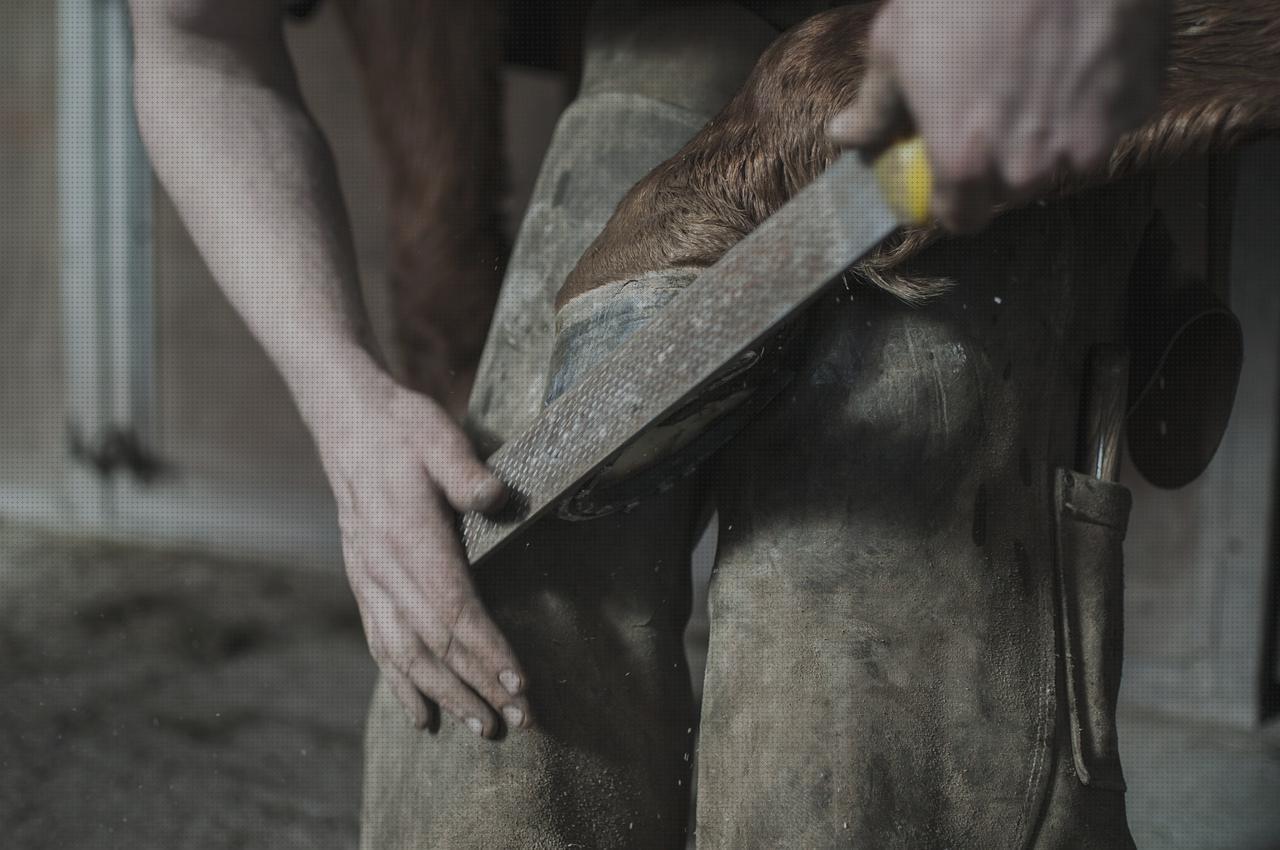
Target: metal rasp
766	277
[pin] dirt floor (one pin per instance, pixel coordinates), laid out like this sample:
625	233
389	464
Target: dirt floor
164	701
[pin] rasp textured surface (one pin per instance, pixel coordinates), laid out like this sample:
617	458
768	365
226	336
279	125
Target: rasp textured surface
765	278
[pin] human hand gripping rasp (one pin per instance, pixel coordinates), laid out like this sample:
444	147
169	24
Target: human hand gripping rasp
767	277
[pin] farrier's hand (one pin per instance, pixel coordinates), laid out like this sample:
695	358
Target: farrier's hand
1006	92
399	466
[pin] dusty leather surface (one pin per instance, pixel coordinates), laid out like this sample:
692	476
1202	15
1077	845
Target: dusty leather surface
883	667
596	616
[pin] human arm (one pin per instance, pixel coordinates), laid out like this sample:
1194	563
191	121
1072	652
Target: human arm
253	179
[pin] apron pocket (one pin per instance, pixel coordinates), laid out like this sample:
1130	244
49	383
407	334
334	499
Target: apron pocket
1091	519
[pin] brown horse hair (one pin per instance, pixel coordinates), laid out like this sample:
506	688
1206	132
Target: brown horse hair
1222	86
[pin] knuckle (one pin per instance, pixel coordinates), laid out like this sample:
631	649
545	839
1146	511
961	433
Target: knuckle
458	701
451	654
442	646
492	692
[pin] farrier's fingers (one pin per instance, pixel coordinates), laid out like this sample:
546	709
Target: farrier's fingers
966	193
444	609
437	681
402	654
482	656
451	463
478	672
421	710
375	608
877	118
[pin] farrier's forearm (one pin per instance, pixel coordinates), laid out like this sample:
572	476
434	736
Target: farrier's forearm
255	184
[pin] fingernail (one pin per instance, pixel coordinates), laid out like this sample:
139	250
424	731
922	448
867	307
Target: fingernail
510	680
512	715
474	724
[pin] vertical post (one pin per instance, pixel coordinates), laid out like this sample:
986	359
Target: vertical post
104	191
78	126
126	202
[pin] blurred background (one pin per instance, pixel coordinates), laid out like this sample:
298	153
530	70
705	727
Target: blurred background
181	664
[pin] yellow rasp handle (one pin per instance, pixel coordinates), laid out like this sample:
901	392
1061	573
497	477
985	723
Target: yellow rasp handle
906	181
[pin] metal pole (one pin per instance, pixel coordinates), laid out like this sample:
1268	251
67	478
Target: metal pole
104	195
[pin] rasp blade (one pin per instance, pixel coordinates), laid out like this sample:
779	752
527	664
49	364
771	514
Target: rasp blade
756	285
